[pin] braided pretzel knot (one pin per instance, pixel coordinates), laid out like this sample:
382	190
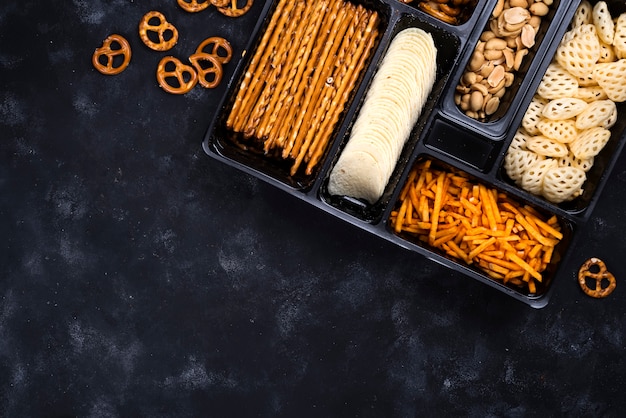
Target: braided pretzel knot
602	274
113	46
218	44
214	69
193	6
233	11
180	73
162	28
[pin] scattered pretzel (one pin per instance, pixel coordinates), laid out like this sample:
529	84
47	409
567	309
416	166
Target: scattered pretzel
185	75
232	10
602	274
113	46
218	44
162	29
220	3
214	69
193	6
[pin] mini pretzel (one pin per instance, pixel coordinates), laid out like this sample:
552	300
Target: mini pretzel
113	46
161	29
584	273
218	44
233	11
213	69
180	73
193	6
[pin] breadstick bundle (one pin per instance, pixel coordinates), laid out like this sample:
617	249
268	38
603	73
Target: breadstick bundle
391	108
300	78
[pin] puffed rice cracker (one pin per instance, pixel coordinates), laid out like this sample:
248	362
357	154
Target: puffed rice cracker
619	41
590	142
580	54
601	18
611	76
562	183
595	114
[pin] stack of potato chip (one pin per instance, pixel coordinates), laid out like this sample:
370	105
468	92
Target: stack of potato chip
568	120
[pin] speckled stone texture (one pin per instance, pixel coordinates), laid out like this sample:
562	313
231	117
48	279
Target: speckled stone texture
138	277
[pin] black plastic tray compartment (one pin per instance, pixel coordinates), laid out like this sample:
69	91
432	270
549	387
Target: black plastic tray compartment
448	49
231	146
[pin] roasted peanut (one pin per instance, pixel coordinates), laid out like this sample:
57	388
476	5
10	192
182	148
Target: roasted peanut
510	32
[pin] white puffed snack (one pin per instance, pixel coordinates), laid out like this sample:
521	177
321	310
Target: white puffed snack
391	108
602	20
582	15
565	108
581	52
557	83
619	41
563	131
591	93
517	161
571	161
590	142
547	147
611	76
607	53
533	115
562	183
519	140
595	114
532	179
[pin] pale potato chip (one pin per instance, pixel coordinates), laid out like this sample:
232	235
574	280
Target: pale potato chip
517	161
611	76
580	54
561	184
582	15
590	142
390	109
533	114
532	179
601	18
591	93
557	83
563	131
619	41
546	147
565	108
595	114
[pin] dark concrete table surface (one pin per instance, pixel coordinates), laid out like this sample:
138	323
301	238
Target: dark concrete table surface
138	277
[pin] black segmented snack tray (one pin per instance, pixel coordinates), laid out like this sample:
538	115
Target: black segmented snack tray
443	133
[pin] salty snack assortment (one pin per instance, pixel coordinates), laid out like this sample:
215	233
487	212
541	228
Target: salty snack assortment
349	105
300	77
568	121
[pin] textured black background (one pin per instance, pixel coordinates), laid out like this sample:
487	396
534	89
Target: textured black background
138	277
